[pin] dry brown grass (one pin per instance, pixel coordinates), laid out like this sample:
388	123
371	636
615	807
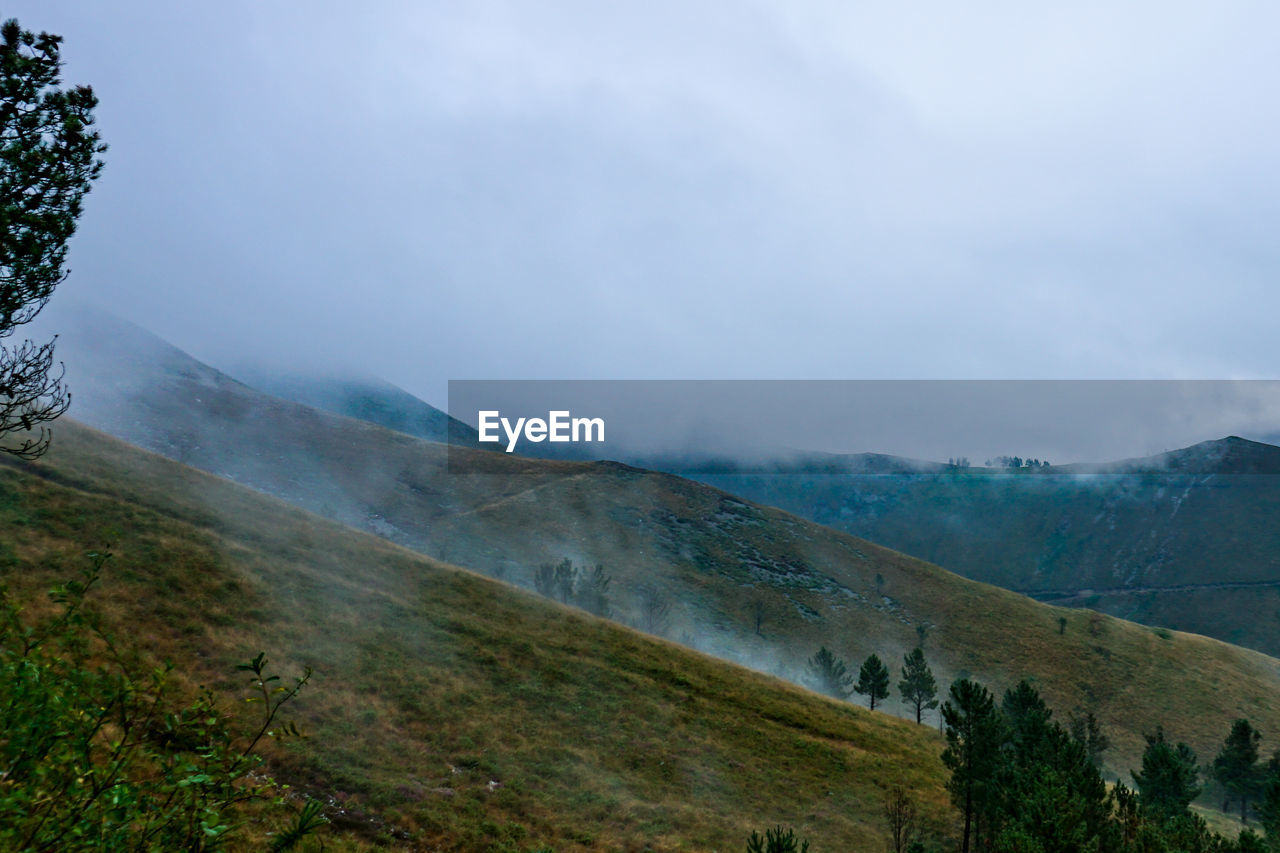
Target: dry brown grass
433	682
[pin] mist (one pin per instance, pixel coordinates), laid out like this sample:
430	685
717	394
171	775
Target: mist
672	191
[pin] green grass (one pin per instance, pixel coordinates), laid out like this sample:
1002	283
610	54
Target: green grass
432	682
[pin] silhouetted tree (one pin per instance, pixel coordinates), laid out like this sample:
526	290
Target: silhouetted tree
900	814
829	674
1236	766
1087	731
759	614
590	591
48	160
776	840
655	609
918	686
873	681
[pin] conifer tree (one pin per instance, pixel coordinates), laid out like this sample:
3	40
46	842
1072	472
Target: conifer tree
829	674
48	160
975	732
918	687
1236	767
1169	779
873	681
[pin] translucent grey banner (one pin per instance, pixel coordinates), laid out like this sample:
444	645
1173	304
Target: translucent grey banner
871	426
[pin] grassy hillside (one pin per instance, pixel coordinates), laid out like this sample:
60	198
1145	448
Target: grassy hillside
717	559
463	713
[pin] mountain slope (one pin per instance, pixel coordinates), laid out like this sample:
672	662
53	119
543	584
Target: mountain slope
449	709
367	399
1186	539
717	560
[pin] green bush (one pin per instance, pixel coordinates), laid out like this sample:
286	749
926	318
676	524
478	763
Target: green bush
95	756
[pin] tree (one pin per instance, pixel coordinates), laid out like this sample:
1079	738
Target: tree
918	686
564	581
873	680
1169	778
48	160
655	610
1087	732
1236	766
1269	802
900	814
975	734
829	674
1052	798
590	590
776	840
760	614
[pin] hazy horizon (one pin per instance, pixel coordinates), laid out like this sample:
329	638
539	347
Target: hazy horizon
429	192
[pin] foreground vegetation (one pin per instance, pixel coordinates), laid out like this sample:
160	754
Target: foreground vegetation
97	754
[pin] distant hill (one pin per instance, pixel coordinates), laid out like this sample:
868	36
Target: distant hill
717	560
1230	455
369	399
1187	539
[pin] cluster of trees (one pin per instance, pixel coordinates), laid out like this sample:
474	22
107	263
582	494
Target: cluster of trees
1023	783
1016	462
830	675
578	586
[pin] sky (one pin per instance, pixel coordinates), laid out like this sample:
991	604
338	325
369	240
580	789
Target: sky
429	191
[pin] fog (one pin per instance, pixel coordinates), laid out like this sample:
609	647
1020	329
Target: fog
428	191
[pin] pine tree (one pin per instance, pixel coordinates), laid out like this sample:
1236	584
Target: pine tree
1269	802
918	686
829	674
48	161
1088	733
975	733
1236	767
873	680
1169	778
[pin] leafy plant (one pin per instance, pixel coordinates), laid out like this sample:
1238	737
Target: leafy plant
97	756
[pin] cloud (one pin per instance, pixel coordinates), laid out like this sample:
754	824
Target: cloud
498	189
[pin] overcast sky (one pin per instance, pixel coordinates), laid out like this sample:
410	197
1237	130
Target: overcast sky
432	191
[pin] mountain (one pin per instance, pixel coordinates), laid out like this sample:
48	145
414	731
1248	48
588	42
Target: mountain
367	398
743	581
1186	539
449	711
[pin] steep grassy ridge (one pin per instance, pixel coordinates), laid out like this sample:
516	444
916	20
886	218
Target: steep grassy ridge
464	712
718	559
